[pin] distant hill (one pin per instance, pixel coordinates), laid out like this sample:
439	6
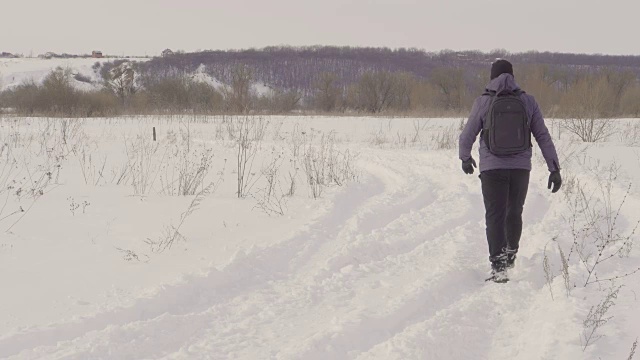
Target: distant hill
15	71
298	67
320	78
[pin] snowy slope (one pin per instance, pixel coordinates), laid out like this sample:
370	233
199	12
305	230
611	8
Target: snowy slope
14	72
389	267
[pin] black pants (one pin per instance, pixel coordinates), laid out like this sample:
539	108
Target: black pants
504	193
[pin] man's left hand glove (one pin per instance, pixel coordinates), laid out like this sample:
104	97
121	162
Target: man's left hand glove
556	180
468	165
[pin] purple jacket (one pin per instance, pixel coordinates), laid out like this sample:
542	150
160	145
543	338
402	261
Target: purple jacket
488	161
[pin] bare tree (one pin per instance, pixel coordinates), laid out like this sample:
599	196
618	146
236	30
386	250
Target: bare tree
122	81
282	101
450	82
326	91
537	81
58	94
585	108
619	81
238	95
630	102
381	90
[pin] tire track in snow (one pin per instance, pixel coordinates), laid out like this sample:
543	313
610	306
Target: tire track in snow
331	222
434	291
251	271
361	325
351	341
430	338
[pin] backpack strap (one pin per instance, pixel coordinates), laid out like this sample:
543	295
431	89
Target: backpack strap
492	95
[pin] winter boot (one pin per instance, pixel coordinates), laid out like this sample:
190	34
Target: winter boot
499	271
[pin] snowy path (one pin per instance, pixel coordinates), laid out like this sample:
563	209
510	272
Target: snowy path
395	271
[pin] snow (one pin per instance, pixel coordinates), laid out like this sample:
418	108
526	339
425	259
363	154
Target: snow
262	89
389	266
16	71
201	75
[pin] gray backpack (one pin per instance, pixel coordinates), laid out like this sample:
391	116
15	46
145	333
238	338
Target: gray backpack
506	128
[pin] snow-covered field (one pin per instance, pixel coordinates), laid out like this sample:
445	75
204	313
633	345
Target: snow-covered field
357	238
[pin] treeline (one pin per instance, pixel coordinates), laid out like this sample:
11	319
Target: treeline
446	89
298	67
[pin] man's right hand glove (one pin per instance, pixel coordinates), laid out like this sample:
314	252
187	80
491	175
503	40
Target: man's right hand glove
468	165
556	180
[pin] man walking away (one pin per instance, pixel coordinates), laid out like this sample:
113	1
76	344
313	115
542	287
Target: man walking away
506	117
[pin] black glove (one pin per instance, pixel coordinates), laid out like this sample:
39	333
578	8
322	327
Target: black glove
556	180
468	165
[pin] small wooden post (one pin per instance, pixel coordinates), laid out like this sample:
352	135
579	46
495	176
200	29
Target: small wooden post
154	133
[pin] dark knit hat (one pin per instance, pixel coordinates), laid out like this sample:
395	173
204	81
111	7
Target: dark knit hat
501	67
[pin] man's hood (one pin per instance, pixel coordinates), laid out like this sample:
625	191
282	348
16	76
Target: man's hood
504	82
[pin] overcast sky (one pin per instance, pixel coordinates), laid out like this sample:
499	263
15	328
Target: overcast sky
146	27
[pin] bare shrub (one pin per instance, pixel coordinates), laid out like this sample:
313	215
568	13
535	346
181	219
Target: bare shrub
379	138
277	131
71	131
92	173
590	129
297	140
585	109
176	93
597	317
185	171
26	98
130	255
171	234
630	134
271	199
565	271
594	226
548	273
325	165
120	175
248	135
291	177
144	164
219	130
97	103
57	97
24	179
377	91
447	138
314	168
418	128
279	101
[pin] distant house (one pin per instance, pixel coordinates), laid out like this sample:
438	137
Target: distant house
167	52
96	54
